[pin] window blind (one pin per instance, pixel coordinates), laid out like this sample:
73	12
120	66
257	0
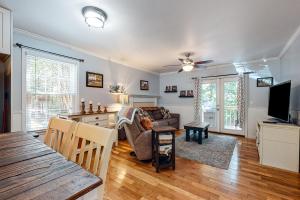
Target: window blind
51	89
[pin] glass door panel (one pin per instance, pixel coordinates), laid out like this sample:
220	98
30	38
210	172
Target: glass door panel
209	104
230	122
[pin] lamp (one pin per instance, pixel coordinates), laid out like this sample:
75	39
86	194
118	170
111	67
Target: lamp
94	17
123	99
187	67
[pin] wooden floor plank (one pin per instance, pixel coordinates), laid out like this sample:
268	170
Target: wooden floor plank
129	178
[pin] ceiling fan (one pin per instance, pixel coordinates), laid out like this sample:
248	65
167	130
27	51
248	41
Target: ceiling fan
188	64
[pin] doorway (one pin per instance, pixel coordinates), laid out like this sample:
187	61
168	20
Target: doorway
220	106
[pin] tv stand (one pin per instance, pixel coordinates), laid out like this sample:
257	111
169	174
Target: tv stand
278	145
275	121
269	122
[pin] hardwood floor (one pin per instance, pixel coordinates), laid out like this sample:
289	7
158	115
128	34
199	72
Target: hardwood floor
245	179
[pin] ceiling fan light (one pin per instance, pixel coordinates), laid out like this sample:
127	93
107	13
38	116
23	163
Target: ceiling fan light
94	17
187	68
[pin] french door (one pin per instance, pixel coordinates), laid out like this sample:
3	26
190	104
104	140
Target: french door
219	105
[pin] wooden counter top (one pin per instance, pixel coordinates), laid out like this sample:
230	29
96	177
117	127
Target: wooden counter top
79	114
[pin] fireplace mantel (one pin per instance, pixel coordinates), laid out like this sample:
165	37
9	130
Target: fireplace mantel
137	100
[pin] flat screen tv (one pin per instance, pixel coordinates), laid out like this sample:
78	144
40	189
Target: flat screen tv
279	101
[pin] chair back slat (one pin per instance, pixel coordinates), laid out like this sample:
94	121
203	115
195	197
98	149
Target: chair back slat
82	151
89	156
95	148
59	135
97	155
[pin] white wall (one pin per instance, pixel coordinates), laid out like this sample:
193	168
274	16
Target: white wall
114	73
290	70
258	97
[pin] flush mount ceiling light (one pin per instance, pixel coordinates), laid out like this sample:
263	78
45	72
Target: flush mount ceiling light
94	17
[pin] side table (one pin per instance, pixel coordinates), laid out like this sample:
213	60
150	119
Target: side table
158	160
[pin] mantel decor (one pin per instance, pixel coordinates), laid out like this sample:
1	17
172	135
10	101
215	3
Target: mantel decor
91	107
82	107
94	80
264	82
117	89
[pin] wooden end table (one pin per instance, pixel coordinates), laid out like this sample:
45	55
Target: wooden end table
156	157
197	128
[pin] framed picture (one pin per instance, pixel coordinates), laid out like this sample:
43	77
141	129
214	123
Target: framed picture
174	88
190	93
264	82
182	93
94	80
144	85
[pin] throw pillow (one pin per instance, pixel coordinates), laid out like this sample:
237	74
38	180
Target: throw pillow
146	123
165	113
168	114
147	115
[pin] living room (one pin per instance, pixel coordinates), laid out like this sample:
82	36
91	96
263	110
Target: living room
203	77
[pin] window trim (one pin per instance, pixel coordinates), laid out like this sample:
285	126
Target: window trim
24	53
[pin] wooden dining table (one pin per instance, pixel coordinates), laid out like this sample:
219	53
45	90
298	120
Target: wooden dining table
31	170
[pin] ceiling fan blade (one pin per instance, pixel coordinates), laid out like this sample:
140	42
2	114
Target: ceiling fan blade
204	62
187	54
166	66
200	66
181	59
180	70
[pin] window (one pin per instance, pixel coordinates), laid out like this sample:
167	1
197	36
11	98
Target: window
51	88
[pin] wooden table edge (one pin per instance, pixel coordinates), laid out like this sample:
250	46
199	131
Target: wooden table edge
86	190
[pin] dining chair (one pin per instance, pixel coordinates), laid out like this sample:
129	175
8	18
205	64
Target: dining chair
93	154
59	135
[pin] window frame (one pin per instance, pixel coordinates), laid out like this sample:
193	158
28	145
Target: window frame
24	54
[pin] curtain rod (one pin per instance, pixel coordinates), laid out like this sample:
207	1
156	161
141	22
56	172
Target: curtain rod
223	75
219	75
56	54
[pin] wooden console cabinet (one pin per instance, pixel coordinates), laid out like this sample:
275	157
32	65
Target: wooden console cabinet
103	119
278	145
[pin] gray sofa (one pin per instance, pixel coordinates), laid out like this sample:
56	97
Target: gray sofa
141	140
157	116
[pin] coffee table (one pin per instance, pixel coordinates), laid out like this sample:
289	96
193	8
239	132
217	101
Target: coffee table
198	128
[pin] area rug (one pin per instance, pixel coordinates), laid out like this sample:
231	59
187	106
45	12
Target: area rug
215	151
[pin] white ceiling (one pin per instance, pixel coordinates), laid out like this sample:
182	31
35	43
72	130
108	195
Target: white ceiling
152	33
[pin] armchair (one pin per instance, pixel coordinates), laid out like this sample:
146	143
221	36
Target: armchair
139	139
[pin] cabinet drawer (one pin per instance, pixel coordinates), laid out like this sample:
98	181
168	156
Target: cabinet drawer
94	118
281	134
98	123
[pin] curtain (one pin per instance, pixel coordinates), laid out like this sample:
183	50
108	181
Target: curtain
197	99
242	99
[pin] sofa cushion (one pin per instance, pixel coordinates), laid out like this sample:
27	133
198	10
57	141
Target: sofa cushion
162	122
171	121
156	114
